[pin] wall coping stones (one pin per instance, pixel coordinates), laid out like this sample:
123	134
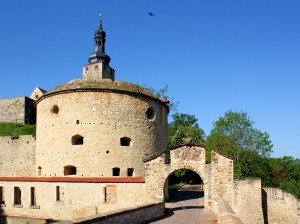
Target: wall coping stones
189	145
226	156
113	216
77	179
225	214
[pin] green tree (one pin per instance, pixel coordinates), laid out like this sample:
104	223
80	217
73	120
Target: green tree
184	129
286	174
162	93
234	135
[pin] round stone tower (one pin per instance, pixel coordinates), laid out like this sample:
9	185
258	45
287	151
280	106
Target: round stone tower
95	126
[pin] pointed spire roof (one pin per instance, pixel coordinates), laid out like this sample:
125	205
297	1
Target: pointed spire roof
99	39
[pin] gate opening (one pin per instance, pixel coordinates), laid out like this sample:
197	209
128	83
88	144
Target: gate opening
183	184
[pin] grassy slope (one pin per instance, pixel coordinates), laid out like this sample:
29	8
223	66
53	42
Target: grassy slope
16	129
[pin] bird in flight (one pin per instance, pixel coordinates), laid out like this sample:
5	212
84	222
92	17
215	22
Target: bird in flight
151	14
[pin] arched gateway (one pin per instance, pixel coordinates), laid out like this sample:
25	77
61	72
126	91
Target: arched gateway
217	177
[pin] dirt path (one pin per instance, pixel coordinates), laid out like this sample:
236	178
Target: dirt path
187	208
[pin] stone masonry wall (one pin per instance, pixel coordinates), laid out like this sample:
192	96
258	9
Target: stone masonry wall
156	172
17	156
247	201
132	215
102	119
18	109
221	178
21	220
280	207
190	157
76	199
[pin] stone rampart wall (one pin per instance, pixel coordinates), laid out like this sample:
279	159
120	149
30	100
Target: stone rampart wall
17	110
17	156
280	207
155	177
68	200
21	220
132	215
226	215
221	178
247	201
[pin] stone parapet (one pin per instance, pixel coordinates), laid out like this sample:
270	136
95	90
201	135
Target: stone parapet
280	207
17	156
225	213
17	110
247	201
131	215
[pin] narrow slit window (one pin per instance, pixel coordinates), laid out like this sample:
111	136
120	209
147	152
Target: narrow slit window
2	195
32	196
17	196
116	171
60	193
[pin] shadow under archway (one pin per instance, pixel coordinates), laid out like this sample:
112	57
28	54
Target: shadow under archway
186	201
183	184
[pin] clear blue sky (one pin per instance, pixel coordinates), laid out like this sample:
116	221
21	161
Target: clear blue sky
215	55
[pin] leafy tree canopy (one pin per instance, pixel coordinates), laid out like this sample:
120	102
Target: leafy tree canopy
235	136
162	93
184	129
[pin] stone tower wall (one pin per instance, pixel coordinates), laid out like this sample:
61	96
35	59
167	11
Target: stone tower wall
17	110
98	70
17	156
102	119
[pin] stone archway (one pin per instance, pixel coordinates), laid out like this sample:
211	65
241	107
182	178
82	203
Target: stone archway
191	157
169	181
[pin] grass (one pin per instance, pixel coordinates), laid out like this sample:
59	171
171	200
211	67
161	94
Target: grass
175	187
16	129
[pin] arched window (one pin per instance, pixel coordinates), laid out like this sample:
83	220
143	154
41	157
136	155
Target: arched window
125	141
116	171
55	109
70	170
77	140
39	171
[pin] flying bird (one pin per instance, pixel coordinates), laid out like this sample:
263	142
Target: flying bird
151	14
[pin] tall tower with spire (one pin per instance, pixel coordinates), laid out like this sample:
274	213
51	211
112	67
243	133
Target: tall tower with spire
98	67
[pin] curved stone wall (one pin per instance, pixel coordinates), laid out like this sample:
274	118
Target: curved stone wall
91	132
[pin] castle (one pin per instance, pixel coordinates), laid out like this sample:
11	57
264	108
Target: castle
100	146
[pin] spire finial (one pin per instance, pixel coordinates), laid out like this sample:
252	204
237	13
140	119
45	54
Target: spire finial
100	15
